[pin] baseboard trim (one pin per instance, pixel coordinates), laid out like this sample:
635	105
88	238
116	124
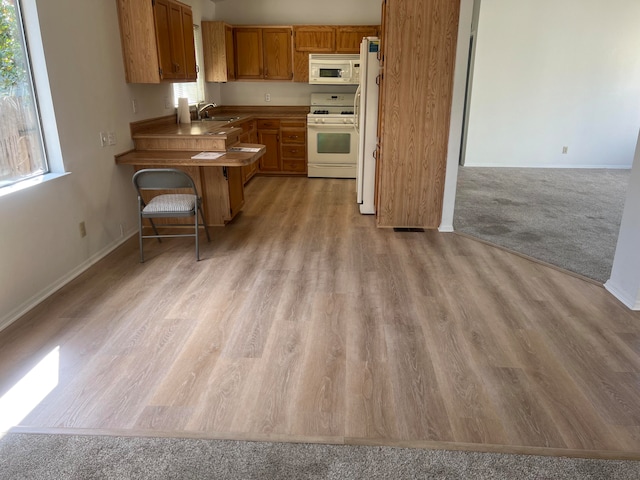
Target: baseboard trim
45	293
445	228
628	301
594	167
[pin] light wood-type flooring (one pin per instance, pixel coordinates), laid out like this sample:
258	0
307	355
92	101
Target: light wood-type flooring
303	322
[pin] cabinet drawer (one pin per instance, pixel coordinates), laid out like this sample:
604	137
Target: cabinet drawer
297	166
293	136
248	126
268	124
297	123
293	151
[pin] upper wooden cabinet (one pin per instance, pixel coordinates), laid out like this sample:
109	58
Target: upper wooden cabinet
217	40
263	53
348	38
314	38
157	41
326	39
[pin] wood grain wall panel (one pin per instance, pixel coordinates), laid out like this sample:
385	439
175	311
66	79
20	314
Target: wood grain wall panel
420	39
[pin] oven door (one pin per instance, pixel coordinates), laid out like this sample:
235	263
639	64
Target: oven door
337	144
332	150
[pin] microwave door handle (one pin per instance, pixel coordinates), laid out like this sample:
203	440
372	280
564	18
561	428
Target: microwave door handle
356	109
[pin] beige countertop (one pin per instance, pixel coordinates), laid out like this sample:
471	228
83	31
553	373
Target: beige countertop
173	158
167	126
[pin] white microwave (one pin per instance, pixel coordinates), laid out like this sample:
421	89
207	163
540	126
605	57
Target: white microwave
334	69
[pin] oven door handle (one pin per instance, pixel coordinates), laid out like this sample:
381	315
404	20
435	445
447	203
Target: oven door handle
327	126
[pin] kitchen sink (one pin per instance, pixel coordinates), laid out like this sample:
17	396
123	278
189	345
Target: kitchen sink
220	119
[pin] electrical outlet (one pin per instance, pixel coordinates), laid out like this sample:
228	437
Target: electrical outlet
565	149
83	229
103	139
111	138
267	97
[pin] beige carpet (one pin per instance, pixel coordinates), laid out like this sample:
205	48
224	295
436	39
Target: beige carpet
567	217
36	456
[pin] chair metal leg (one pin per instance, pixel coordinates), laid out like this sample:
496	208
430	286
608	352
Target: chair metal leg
197	235
155	230
204	224
140	237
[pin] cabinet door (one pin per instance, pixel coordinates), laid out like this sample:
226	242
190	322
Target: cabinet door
236	190
230	56
138	37
348	38
190	67
248	52
276	43
314	38
270	161
217	45
162	17
177	40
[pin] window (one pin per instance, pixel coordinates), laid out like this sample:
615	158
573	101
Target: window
194	91
21	146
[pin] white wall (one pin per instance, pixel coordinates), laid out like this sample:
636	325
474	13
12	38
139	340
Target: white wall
286	12
40	245
625	274
554	73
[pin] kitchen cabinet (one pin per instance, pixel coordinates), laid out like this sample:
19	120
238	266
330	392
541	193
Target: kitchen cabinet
349	37
419	42
293	145
269	136
286	142
217	43
325	39
157	41
263	53
249	135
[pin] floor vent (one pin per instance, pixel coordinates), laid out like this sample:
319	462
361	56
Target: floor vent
408	230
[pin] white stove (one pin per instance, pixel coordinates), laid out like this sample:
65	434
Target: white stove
332	137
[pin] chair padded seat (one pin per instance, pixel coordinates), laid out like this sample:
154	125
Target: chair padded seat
174	203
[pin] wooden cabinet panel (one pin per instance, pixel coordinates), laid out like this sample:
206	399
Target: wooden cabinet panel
286	141
268	124
174	34
157	41
190	66
217	45
276	43
270	161
314	38
325	39
236	190
162	15
348	38
138	36
420	40
248	52
293	145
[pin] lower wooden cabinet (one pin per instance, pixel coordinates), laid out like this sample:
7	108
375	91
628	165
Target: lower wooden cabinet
286	142
249	135
293	145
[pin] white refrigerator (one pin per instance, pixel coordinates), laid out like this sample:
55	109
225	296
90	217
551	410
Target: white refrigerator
366	122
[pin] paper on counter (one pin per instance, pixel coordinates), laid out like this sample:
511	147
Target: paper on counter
207	155
243	149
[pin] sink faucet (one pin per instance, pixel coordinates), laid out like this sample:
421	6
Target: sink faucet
200	109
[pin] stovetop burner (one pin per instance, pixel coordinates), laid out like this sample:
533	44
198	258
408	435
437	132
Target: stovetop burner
321	112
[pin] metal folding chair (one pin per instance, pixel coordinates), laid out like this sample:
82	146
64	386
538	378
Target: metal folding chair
167	205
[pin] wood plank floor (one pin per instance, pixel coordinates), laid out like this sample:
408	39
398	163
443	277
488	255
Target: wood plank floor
303	322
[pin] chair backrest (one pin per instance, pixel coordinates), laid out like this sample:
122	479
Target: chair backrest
162	179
